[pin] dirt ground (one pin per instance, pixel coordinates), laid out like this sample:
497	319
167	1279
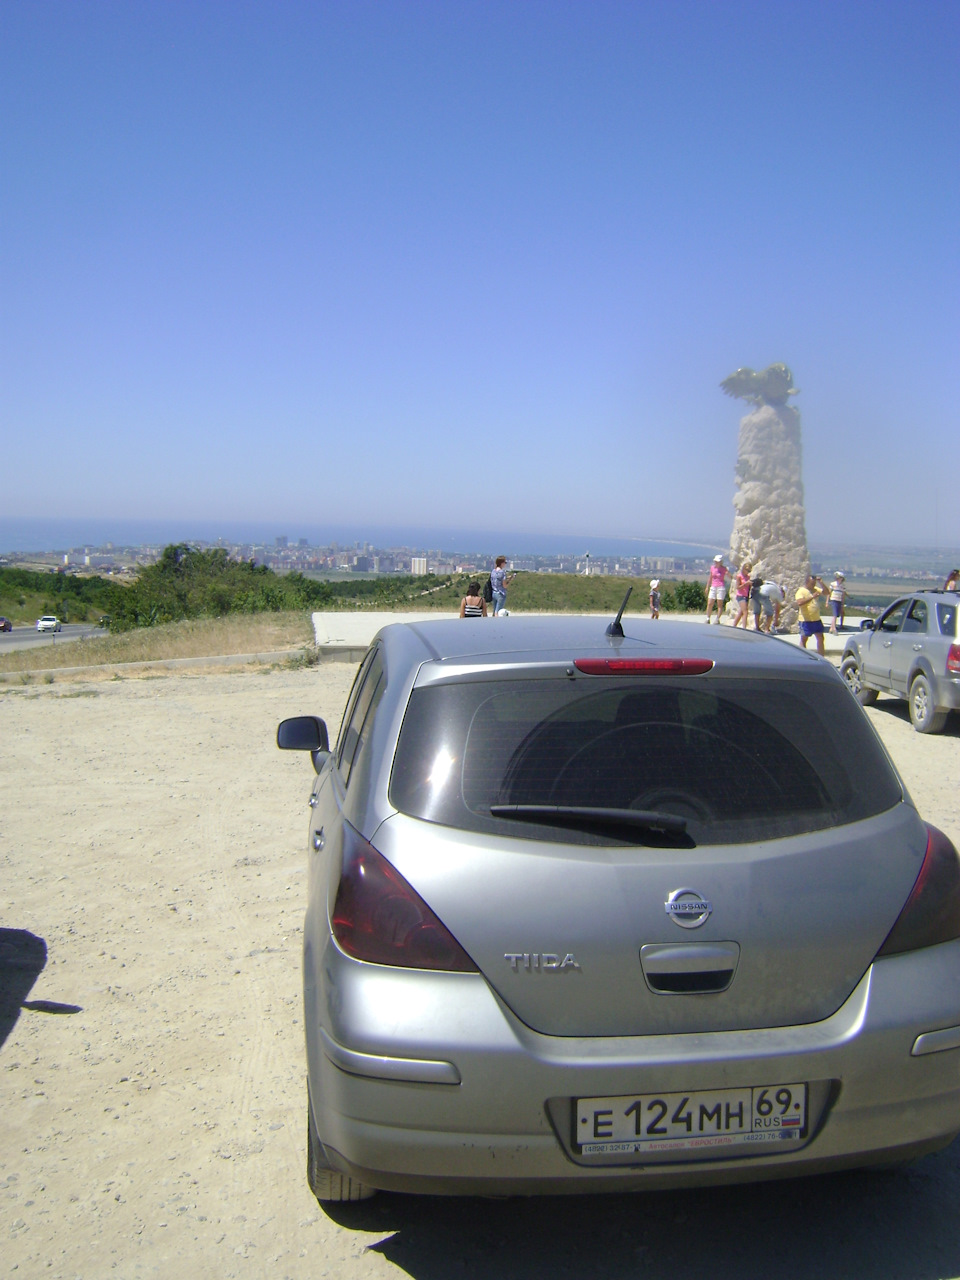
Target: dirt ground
152	1097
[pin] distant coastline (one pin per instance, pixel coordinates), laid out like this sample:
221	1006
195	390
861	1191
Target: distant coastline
61	535
18	536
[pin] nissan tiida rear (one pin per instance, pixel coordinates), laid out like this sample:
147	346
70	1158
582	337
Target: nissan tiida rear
591	911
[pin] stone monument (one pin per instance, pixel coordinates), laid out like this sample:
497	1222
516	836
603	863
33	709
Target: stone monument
769	527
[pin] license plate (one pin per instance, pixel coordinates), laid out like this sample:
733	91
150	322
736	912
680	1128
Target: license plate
708	1122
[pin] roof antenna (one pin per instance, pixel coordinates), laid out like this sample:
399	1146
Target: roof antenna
615	629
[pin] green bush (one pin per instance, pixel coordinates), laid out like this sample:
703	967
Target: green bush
187	582
685	597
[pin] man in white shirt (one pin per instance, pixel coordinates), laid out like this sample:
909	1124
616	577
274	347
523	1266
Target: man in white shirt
771	601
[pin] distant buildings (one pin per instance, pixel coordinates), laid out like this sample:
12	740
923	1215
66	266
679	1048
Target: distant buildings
288	556
285	555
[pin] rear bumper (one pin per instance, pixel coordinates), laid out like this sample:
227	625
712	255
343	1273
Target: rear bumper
948	693
506	1127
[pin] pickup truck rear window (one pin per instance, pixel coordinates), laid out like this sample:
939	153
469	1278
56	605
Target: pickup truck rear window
739	760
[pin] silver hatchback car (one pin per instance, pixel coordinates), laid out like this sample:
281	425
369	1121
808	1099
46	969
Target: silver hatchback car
591	911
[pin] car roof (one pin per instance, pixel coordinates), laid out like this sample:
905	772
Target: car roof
516	640
925	593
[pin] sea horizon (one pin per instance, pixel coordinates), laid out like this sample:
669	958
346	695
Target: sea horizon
41	535
52	535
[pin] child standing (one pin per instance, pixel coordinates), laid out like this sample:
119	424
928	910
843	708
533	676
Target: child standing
654	598
838	595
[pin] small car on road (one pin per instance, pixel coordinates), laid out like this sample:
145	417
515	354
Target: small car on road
48	623
911	651
6	624
590	911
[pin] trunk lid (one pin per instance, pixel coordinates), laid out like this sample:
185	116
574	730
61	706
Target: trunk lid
788	926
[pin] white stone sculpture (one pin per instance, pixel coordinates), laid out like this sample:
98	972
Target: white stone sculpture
769	528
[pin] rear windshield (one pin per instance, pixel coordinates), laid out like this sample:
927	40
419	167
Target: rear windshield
740	760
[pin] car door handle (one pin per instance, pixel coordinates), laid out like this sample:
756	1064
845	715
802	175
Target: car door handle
917	648
312	802
887	644
319	840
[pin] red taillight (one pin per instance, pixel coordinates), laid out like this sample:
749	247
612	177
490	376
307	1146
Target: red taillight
643	666
932	912
379	918
953	659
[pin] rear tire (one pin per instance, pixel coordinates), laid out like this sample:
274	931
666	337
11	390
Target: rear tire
924	715
850	670
324	1182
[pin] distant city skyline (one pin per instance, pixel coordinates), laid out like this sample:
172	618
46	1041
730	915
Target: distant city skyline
62	538
47	535
426	264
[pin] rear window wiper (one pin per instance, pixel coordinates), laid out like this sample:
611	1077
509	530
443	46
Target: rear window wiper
667	826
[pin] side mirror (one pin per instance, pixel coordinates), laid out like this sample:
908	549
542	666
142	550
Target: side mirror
305	733
866	624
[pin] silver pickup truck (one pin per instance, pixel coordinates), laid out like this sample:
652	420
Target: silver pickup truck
912	652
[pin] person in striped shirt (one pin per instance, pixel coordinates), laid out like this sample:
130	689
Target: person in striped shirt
473	604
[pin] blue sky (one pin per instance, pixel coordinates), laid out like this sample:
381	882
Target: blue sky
477	264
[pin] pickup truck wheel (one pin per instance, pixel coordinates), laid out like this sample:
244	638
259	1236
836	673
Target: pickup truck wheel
850	670
923	707
327	1183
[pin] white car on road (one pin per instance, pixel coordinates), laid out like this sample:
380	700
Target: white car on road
48	623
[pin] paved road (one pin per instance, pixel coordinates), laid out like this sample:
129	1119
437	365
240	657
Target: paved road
30	637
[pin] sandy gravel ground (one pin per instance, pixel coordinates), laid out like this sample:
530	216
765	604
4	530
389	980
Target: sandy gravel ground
152	844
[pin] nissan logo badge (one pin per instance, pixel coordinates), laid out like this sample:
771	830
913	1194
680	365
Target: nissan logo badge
687	908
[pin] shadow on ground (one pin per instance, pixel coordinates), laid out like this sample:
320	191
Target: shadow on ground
882	1225
22	957
897	709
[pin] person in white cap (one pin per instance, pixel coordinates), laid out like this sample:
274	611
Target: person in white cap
654	598
838	594
717	587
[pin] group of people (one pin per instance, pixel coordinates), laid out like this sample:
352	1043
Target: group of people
494	591
753	592
764	597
